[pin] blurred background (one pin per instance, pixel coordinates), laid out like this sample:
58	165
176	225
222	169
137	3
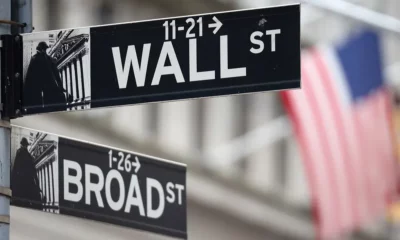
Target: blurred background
246	178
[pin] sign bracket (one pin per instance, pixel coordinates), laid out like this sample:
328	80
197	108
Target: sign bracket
5	191
4	219
11	76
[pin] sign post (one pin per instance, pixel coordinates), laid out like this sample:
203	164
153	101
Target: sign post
5	136
162	60
66	176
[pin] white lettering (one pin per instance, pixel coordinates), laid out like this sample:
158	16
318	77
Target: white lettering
131	59
273	33
114	174
93	187
225	71
135	201
154	184
167	51
180	189
194	75
171	194
257	42
76	180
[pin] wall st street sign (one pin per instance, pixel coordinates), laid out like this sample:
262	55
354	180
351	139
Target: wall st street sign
65	176
161	60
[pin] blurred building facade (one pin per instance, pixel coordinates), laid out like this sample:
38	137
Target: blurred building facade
245	176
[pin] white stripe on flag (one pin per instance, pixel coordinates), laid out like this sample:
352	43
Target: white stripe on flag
343	97
329	131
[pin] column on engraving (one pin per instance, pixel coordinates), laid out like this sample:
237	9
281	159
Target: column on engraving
64	79
43	182
46	180
52	183
81	78
54	166
46	184
50	201
85	66
70	81
67	79
78	85
73	79
38	176
60	73
67	83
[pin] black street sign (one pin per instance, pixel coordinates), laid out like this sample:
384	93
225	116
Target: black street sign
65	176
161	60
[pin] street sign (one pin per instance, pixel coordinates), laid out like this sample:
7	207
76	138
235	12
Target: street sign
161	60
65	176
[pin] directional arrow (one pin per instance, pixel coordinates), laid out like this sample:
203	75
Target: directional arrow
217	25
136	164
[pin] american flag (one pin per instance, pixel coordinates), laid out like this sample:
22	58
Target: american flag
342	122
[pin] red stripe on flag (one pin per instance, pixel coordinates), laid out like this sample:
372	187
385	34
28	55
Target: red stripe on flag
306	154
334	102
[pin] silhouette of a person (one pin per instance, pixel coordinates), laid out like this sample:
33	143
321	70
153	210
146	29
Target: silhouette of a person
43	85
24	181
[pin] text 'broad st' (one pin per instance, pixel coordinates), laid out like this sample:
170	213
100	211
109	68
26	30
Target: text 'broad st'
65	176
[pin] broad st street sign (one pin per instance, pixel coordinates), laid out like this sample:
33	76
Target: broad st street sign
160	60
65	176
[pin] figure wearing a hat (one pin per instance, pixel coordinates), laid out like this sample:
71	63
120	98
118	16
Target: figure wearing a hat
24	181
43	85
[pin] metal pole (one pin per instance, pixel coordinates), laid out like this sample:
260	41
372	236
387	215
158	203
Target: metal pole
5	144
5	192
23	14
